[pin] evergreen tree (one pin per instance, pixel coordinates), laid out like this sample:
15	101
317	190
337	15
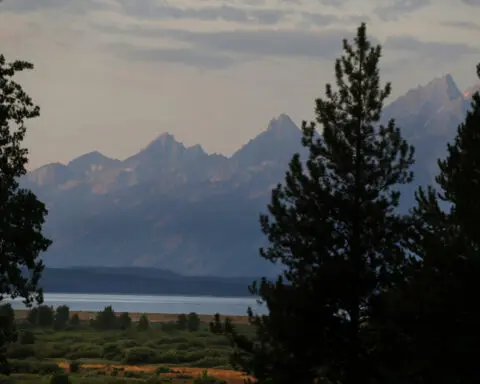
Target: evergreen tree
21	214
143	323
62	316
75	321
333	225
182	322
125	321
106	320
193	322
436	311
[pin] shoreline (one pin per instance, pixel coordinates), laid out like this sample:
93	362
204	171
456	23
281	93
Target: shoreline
21	314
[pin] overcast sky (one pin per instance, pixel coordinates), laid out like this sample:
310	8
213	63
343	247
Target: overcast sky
110	75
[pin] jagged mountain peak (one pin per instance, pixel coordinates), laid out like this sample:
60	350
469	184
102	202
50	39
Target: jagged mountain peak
279	141
164	139
92	157
282	124
446	85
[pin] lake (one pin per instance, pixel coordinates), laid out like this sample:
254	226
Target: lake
151	304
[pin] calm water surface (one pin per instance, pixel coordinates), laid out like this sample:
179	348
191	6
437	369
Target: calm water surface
151	304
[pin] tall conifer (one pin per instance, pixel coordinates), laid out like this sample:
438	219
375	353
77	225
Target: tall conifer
333	225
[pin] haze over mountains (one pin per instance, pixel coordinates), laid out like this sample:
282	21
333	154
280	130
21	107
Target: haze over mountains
179	208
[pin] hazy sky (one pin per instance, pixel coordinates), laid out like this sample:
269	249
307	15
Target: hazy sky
113	74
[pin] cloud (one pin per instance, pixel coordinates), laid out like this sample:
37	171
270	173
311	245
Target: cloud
334	3
223	48
462	25
324	20
187	56
392	10
431	50
149	10
72	6
472	2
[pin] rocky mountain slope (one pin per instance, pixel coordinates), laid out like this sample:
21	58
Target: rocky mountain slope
179	208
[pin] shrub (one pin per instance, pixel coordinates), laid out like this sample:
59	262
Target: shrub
193	322
161	370
19	351
205	378
53	350
182	322
112	351
140	355
60	378
85	351
169	326
27	338
74	366
75	321
136	375
33	367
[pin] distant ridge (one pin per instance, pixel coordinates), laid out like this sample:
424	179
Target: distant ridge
179	208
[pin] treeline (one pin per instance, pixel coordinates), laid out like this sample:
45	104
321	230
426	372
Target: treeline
369	295
60	318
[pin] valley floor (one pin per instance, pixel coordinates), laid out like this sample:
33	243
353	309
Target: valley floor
163	353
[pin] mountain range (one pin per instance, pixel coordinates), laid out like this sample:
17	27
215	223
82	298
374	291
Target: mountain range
179	208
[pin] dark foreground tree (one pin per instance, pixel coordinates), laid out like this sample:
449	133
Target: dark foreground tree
22	215
333	225
437	311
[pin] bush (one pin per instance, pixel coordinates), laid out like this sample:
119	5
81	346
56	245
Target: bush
33	367
205	378
19	351
75	321
136	375
182	322
212	362
53	350
140	355
60	378
112	351
193	322
169	326
85	351
27	338
161	370
74	366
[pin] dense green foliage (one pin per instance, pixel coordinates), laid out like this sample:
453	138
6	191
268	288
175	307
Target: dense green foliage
107	339
164	345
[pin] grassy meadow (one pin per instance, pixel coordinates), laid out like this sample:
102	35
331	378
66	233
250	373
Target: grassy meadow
83	351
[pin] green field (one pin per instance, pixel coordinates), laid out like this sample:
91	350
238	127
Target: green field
164	352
